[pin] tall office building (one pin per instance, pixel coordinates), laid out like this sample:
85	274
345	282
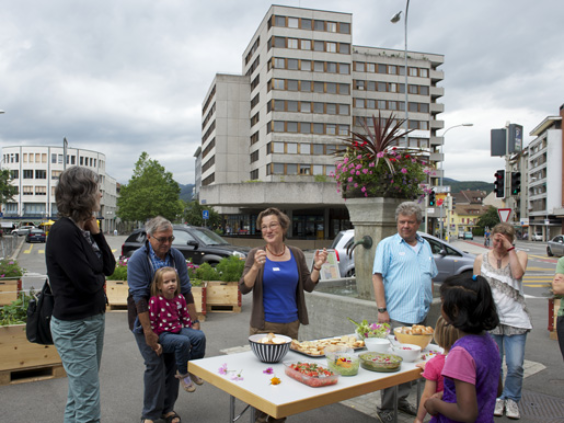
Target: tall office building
304	87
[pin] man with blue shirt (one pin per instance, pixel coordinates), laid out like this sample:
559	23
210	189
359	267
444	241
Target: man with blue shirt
160	379
402	277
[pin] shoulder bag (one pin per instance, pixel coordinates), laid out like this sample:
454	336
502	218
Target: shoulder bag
39	313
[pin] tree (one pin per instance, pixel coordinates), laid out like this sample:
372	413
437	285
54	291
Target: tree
193	215
7	190
150	192
489	219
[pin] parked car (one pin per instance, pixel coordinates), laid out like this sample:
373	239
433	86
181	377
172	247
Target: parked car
468	235
460	234
555	247
23	230
199	245
449	259
536	237
36	235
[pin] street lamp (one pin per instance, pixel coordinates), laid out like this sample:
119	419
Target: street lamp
396	18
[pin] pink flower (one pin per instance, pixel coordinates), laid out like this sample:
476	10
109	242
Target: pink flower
346	160
357	173
356	185
363	189
268	371
403	170
237	377
380	154
358	166
365	171
372	164
359	157
350	179
352	172
223	369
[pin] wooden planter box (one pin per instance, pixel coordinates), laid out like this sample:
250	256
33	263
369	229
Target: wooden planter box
23	361
200	299
223	297
553	307
9	290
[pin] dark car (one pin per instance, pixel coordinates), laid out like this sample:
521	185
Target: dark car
199	245
36	235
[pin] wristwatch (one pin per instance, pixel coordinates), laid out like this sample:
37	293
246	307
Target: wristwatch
382	310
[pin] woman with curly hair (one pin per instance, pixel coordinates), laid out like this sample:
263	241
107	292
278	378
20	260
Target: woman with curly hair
78	259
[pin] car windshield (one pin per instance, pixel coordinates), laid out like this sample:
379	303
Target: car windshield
209	237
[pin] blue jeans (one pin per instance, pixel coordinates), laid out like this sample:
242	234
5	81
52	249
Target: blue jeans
188	344
514	349
80	344
160	385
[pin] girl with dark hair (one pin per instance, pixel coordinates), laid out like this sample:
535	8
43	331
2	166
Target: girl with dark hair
78	260
471	372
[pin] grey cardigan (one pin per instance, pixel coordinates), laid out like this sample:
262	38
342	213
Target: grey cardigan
304	284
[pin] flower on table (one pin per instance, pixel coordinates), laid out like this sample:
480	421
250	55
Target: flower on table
275	381
223	369
237	376
268	371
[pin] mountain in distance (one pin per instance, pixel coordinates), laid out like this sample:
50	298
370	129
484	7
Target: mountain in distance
457	186
186	192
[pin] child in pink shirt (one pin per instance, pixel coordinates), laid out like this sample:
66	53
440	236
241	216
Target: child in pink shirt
445	336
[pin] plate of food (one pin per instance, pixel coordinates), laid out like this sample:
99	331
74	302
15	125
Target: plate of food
311	374
316	348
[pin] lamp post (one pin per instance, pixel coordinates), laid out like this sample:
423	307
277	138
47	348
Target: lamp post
441	177
396	19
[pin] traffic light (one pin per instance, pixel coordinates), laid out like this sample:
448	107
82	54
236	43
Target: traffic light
515	183
499	184
432	200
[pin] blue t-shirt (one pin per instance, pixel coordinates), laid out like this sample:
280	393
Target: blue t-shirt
280	284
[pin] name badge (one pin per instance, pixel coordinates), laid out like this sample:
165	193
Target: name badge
276	269
402	253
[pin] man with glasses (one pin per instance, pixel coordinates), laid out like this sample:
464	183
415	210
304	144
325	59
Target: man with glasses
161	384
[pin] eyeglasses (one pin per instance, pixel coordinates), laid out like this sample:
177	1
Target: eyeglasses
164	239
271	226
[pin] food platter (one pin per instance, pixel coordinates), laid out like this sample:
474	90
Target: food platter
315	348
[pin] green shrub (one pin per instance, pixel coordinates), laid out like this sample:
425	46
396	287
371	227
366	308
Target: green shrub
231	269
206	272
120	274
15	313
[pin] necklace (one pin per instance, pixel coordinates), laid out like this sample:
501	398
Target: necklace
499	260
276	254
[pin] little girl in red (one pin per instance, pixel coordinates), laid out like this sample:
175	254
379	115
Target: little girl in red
445	336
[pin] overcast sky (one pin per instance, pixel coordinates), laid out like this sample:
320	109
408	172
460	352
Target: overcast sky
127	76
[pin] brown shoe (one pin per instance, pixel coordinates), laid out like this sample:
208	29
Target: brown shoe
196	379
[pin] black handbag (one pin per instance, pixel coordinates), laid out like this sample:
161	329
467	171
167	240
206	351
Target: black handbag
39	311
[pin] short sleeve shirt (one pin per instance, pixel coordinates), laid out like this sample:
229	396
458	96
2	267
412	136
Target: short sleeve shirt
433	371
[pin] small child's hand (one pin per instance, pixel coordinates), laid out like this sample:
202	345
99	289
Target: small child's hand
159	349
421	365
430	405
417	420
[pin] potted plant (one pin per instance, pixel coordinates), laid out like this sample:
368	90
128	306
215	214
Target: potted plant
223	293
199	290
21	360
117	289
10	281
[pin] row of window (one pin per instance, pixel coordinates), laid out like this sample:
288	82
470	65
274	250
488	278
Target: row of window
309	65
389	87
308	86
42	158
307	128
208	164
30	209
306	44
299	169
413	124
307	107
208	101
254	48
279	147
208	132
209	180
390	69
209	148
209	116
309	24
366	103
254	66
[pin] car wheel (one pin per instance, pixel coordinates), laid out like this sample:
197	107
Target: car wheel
351	273
549	252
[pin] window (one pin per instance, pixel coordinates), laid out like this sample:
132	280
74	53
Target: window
344	68
292	106
344	48
292	127
318	66
278	147
344	89
54	158
40	174
293	64
331	109
344	28
424	73
359	103
318	108
331	26
343	130
343	109
255	138
255	119
331	129
319	25
382	86
292	43
331	87
280	20
305	128
371	86
14	174
318	149
280	42
370	67
306	23
318	169
255	100
278	126
412	71
359	66
318	87
319	46
291	169
292	85
305	65
318	128
305	169
424	90
382	69
278	84
27	190
382	104
413	89
306	45
305	86
392	105
332	47
39	190
28	174
305	107
331	67
359	85
279	63
255	82
292	148
392	70
370	104
293	23
254	156
278	168
254	175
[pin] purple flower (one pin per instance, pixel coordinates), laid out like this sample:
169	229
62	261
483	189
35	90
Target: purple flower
350	179
268	371
223	369
380	154
363	189
365	171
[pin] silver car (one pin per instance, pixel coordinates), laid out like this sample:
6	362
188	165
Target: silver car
450	260
555	247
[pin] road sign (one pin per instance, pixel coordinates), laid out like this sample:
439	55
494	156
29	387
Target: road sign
440	202
205	214
504	214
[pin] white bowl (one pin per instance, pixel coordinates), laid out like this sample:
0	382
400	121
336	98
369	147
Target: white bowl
409	352
381	345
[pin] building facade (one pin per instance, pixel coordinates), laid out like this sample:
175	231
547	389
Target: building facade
35	171
304	87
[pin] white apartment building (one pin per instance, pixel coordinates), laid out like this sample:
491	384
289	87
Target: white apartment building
269	135
545	177
35	171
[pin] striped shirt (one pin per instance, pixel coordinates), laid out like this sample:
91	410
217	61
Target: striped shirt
407	273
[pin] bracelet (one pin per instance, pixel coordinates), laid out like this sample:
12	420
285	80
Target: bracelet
510	249
195	321
317	268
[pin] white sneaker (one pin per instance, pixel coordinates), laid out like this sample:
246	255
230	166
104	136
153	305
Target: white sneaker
499	406
512	410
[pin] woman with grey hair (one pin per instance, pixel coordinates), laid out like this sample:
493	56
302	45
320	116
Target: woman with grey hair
78	261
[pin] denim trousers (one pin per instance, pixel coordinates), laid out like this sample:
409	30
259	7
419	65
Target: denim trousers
560	332
80	344
160	384
188	344
513	346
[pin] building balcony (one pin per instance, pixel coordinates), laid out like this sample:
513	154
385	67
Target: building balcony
437	75
436	92
437	157
437	108
437	140
437	124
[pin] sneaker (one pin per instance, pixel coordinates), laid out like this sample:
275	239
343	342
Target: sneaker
186	382
499	406
407	408
512	410
385	416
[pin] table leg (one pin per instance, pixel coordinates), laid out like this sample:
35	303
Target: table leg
418	382
396	392
232	417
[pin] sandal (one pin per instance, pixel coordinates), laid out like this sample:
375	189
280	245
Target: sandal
186	382
197	380
171	417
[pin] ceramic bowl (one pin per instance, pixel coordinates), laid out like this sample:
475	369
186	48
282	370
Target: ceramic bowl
270	353
381	345
409	352
421	340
